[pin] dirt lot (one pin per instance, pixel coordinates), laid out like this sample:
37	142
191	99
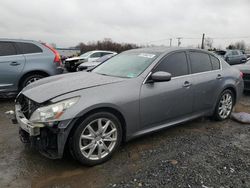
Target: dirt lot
201	153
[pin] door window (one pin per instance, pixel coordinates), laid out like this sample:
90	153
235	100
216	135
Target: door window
176	64
215	62
95	55
235	52
200	62
7	48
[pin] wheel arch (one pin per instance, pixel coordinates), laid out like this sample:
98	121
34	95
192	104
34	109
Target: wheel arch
31	73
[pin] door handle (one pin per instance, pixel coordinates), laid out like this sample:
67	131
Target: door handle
14	63
187	84
219	77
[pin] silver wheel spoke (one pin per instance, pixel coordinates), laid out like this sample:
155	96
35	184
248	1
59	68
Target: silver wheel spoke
106	126
99	152
91	150
86	147
88	137
109	133
109	139
91	130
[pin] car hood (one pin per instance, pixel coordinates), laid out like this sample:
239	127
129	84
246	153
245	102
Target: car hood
245	68
54	86
74	58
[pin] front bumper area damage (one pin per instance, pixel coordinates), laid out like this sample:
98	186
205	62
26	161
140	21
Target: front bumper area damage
49	140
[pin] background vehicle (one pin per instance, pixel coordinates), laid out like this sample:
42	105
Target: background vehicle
136	92
232	57
90	65
71	64
23	62
245	69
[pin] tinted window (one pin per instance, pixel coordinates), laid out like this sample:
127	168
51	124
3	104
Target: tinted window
235	52
105	53
215	63
28	48
176	64
7	48
200	62
97	54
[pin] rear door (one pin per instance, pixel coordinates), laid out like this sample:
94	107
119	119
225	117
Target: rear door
207	78
167	101
11	66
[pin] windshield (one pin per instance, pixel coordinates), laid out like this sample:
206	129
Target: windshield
85	54
127	65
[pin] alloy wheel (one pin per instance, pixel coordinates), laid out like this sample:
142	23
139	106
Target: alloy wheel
98	139
225	105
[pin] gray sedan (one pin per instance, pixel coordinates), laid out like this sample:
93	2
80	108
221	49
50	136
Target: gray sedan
136	92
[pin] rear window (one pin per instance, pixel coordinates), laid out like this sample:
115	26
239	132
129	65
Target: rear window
28	48
200	62
7	48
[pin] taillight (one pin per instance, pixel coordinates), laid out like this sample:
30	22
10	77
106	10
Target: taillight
241	74
57	58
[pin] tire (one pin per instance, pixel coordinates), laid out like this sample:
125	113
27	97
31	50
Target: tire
224	105
97	146
29	79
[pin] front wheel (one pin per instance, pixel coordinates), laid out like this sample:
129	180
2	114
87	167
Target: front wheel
96	138
224	105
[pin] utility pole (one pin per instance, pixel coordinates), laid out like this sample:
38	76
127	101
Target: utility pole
170	42
179	40
202	42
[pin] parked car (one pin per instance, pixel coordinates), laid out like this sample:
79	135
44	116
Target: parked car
71	64
245	69
23	62
136	92
232	57
90	65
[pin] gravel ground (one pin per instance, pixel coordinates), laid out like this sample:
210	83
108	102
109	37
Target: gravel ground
200	153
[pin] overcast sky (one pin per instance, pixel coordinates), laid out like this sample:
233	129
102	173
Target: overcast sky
67	23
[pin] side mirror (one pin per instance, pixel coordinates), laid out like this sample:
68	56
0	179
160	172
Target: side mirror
161	76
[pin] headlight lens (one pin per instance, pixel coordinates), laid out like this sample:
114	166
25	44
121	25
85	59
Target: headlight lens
52	112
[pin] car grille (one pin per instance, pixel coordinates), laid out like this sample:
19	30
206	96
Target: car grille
27	105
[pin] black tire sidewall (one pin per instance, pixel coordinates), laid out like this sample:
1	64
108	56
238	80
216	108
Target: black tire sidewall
24	82
74	145
216	112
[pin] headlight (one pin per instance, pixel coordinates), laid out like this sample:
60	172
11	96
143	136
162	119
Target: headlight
52	112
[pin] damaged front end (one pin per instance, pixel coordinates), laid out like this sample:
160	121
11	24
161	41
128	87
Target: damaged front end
49	138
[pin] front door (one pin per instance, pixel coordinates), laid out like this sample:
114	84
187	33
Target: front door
162	102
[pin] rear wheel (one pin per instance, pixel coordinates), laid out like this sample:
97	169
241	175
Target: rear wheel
96	138
224	105
30	79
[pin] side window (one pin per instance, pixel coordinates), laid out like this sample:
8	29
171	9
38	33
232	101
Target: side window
215	62
105	53
176	64
95	55
28	48
7	48
200	62
235	52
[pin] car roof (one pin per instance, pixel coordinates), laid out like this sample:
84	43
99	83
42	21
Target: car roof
17	40
163	50
93	51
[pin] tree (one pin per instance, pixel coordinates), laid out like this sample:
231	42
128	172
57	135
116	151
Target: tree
240	45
